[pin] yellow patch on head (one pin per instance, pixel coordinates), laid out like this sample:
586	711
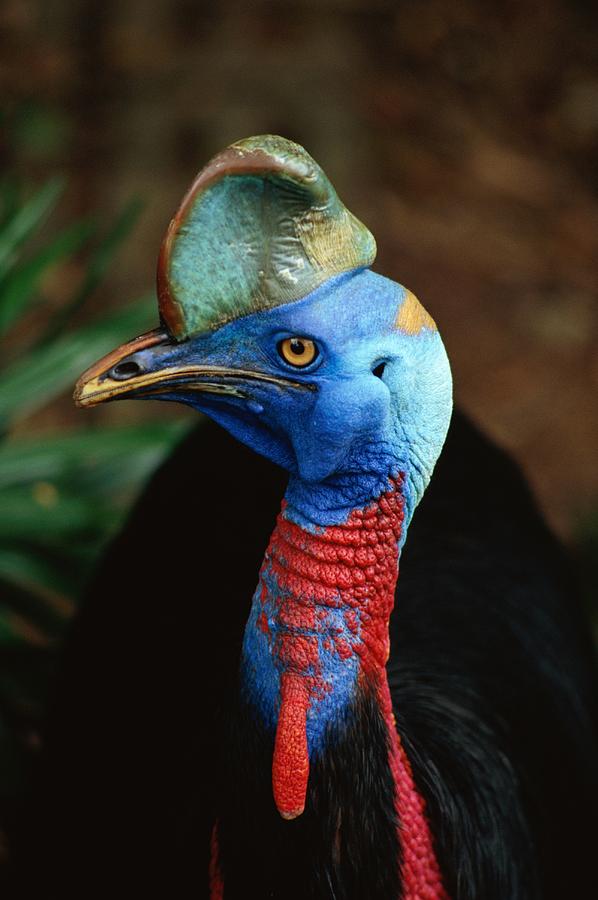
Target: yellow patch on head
412	317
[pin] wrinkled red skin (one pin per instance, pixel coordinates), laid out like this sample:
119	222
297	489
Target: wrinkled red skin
214	875
420	872
352	568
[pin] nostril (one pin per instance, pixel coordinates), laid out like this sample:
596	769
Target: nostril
127	369
379	370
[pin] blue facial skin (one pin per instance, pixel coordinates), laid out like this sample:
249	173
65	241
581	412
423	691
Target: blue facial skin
344	438
341	440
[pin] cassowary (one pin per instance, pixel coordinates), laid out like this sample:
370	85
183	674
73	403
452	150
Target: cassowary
302	739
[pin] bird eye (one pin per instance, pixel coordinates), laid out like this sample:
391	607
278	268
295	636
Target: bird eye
298	351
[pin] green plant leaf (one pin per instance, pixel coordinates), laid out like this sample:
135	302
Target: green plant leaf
63	456
97	267
26	219
29	602
61	498
23	517
35	576
20	286
47	371
10	193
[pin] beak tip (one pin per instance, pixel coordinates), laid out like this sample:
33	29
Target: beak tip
86	393
91	389
79	397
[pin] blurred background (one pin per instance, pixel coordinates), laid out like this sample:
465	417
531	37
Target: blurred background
464	134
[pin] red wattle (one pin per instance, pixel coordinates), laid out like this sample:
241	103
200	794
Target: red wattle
290	765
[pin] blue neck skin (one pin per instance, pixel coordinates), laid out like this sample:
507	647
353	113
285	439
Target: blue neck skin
364	480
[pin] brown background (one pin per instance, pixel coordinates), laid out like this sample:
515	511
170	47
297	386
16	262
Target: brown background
464	134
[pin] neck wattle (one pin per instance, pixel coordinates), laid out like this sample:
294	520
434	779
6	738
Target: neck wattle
318	633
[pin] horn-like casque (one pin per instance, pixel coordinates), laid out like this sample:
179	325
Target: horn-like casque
260	226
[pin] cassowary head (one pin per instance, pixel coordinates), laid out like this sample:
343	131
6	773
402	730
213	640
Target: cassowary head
273	325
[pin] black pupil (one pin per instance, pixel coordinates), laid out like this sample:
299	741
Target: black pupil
297	347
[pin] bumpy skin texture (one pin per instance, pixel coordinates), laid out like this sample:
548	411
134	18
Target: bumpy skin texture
320	615
318	627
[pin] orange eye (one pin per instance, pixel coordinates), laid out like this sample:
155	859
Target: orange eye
298	351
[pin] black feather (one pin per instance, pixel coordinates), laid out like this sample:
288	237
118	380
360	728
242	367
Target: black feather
349	824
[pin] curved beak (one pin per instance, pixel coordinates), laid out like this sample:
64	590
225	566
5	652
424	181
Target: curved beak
151	364
99	384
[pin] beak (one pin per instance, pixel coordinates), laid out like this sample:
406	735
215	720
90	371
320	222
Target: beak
147	366
103	381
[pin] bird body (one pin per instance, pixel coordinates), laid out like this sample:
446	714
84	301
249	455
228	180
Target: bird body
491	677
352	747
